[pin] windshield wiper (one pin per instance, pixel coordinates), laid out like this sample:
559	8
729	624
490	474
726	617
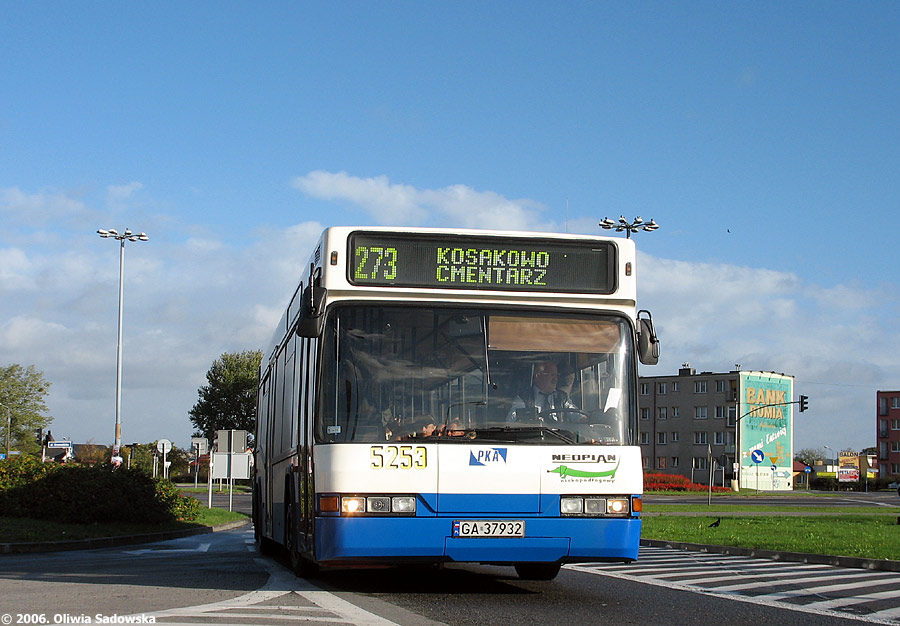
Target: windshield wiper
515	430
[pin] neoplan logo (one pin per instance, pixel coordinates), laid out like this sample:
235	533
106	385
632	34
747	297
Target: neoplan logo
585	458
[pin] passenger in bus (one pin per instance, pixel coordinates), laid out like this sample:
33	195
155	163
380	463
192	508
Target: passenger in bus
422	427
453	428
543	400
566	379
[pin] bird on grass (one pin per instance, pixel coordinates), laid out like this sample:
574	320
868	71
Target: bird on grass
716	523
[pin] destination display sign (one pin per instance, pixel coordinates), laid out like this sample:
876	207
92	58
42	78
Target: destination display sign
481	262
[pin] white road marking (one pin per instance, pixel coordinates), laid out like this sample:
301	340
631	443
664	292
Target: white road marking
297	600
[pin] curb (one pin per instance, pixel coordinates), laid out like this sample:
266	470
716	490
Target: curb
774	555
111	542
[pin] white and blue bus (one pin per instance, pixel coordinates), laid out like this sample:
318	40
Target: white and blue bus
397	421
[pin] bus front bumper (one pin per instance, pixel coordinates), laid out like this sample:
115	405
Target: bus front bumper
406	539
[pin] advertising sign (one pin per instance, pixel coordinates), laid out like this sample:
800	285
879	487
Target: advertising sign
766	426
848	474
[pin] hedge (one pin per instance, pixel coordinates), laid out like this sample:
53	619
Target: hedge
674	482
89	494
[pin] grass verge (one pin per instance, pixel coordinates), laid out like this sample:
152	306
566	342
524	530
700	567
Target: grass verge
18	529
863	536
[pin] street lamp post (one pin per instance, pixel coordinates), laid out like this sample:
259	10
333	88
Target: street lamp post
629	227
121	238
829	459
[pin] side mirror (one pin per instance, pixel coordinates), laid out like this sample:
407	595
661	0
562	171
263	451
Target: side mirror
311	318
648	342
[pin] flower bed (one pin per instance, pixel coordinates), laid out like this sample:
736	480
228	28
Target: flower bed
674	482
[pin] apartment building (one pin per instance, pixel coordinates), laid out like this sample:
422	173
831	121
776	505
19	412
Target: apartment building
888	433
724	423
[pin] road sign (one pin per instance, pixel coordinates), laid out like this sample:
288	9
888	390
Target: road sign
164	446
757	456
59	444
231	441
807	469
234	465
201	443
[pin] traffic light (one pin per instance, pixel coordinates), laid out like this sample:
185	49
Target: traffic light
804	403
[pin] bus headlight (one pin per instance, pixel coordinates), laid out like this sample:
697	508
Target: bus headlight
353	504
403	504
594	506
369	505
378	504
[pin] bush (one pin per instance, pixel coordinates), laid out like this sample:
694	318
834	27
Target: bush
89	494
674	482
20	471
184	508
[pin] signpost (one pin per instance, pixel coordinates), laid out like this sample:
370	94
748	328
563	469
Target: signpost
164	446
230	461
200	446
66	445
757	457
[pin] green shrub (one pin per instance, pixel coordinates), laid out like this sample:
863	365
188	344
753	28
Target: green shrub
89	494
184	508
19	471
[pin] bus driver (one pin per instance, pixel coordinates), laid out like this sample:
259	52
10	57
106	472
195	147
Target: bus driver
542	400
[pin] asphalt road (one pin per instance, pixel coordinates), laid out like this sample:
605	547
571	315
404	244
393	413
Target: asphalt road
221	578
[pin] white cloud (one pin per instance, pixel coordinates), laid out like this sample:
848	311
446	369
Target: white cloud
37	208
391	203
117	195
14	270
387	203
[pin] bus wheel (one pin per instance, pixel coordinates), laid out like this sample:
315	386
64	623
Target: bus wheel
265	545
302	567
537	571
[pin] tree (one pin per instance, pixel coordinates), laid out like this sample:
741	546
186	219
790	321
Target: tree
22	393
811	456
229	400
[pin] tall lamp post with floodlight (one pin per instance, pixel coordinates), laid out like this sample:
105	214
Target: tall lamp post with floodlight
829	459
121	238
629	227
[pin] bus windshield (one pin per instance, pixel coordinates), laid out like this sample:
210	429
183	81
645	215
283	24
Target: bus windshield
475	375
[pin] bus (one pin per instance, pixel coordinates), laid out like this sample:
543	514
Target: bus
396	422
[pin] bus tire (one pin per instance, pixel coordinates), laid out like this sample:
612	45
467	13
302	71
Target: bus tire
265	545
302	567
537	571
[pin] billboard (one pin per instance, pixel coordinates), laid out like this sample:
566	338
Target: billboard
765	430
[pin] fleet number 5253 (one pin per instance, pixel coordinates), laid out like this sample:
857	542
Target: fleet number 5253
399	457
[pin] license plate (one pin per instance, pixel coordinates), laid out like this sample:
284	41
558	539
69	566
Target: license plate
489	528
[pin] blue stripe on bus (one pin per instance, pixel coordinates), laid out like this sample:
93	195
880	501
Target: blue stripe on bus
547	539
480	503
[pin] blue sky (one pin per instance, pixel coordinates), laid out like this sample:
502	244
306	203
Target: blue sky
762	136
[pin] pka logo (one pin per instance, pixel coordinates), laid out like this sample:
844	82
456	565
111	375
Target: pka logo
487	456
